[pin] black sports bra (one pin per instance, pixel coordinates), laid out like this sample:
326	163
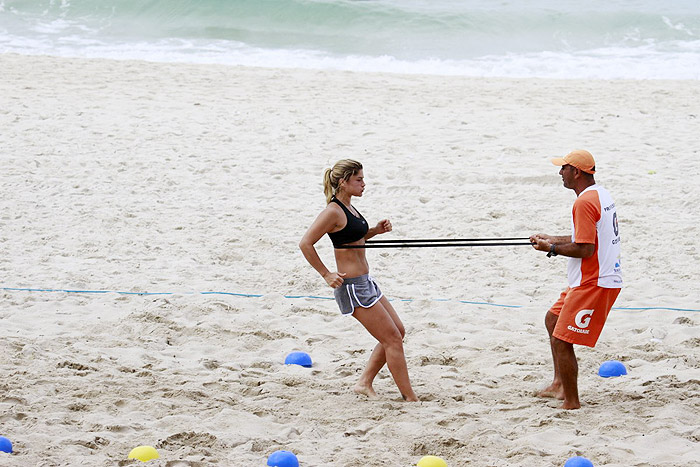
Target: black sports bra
355	229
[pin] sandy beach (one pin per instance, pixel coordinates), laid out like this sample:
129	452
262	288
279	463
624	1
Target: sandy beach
122	178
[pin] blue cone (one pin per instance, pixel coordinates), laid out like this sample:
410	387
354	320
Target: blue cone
612	368
5	445
282	459
298	358
578	461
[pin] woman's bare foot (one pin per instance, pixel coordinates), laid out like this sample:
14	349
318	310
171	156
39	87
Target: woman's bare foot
365	390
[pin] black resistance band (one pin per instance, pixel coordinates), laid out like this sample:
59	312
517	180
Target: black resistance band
442	242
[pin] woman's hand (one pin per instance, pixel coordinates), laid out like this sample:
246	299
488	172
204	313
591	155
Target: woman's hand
383	226
334	279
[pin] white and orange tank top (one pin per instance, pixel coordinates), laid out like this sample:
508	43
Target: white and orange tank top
594	220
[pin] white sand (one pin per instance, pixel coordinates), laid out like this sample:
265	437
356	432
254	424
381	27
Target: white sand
141	177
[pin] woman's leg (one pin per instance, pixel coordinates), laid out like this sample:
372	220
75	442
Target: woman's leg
384	324
377	359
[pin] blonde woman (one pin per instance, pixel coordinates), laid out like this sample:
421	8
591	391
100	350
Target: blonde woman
355	291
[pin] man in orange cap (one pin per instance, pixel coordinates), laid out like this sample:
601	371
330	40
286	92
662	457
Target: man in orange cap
594	273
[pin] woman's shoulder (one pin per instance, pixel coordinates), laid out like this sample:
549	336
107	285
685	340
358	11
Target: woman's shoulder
335	207
332	209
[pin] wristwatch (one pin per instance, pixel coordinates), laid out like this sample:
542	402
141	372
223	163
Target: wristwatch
552	251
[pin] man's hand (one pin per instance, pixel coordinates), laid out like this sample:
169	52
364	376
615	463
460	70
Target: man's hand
541	242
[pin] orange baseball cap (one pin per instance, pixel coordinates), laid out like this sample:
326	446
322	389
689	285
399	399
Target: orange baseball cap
579	158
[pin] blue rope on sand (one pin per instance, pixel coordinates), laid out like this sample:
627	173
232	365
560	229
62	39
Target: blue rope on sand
313	297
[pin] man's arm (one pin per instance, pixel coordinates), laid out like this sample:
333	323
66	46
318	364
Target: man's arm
562	245
573	250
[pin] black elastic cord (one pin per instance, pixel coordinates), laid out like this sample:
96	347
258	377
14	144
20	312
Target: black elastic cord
450	240
431	245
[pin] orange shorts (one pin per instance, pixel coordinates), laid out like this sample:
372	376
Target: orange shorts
582	312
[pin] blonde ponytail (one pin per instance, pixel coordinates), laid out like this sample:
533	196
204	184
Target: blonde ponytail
328	185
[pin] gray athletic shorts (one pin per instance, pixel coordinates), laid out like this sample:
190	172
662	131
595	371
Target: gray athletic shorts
360	291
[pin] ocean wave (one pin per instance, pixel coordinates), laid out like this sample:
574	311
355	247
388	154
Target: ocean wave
612	39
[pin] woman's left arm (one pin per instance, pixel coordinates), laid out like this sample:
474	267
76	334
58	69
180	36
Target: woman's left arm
383	226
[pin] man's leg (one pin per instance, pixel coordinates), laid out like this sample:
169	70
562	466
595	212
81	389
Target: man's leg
596	302
554	389
568	372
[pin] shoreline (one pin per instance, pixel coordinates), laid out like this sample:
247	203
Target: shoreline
341	71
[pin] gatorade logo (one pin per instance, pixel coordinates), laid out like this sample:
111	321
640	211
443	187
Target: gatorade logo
583	318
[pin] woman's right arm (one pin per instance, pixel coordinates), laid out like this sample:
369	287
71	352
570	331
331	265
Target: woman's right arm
324	223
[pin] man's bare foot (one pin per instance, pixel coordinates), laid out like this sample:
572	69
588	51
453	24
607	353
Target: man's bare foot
570	405
553	391
365	390
413	398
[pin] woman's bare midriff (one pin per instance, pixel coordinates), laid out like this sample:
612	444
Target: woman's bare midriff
351	261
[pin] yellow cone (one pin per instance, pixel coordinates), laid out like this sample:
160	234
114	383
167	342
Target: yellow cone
431	461
144	453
